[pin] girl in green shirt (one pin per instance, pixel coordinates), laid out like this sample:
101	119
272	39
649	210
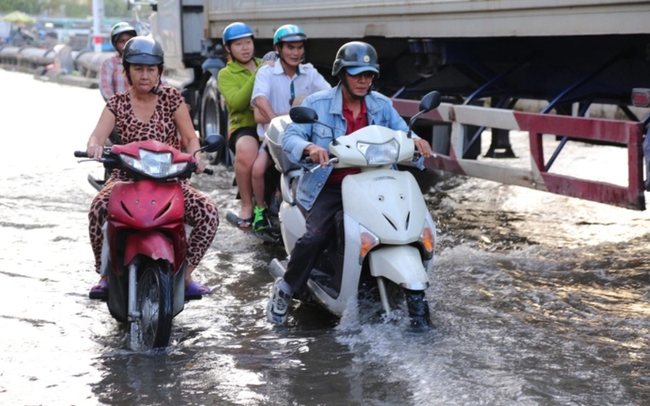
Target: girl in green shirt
236	86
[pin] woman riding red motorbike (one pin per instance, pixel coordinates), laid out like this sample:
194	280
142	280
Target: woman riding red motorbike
150	110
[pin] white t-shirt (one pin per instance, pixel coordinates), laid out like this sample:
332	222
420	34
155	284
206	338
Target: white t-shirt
272	83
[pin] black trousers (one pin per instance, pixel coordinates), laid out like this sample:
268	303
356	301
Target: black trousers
320	225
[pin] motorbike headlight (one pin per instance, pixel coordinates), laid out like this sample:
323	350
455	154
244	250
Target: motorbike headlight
368	242
154	164
380	154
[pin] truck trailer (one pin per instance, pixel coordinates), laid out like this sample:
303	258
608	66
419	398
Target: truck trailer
483	56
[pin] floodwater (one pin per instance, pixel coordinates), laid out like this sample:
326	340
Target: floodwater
537	299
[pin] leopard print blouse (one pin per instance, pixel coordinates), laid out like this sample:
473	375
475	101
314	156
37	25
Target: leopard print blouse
160	126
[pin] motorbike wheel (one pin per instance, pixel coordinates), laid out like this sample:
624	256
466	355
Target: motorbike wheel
154	304
418	309
212	117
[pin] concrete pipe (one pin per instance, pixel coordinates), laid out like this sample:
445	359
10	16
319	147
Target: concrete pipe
89	63
9	56
33	57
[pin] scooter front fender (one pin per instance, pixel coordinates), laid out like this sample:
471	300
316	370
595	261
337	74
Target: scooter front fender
151	244
400	264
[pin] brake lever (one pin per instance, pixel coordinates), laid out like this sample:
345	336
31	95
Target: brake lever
317	166
418	161
101	160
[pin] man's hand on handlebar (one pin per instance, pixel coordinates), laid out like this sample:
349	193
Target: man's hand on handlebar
318	155
423	147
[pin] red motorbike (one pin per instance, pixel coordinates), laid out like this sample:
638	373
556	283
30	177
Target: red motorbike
144	237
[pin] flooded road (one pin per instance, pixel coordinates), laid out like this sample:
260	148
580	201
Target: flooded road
537	299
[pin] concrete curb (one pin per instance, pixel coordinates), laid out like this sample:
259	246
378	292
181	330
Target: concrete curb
59	76
79	81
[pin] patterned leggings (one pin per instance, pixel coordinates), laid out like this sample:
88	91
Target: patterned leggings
200	213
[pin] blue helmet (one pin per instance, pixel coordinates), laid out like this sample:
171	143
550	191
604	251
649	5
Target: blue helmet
289	33
236	31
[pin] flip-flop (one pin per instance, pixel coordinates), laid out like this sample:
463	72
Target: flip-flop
244	224
195	291
99	291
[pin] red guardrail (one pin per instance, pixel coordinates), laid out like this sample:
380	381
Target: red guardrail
626	133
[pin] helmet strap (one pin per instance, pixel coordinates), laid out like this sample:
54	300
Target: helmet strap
227	47
155	89
127	73
344	80
278	52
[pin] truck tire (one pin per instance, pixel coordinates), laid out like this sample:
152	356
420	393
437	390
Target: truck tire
213	118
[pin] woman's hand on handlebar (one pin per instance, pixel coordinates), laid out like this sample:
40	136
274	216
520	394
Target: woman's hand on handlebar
200	166
95	152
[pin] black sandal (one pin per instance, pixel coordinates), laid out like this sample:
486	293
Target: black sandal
244	224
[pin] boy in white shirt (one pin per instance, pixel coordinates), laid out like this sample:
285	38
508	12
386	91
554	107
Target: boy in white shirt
276	89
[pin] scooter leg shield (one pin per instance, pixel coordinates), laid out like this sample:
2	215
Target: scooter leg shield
292	225
400	264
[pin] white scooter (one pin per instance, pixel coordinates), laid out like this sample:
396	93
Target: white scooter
385	235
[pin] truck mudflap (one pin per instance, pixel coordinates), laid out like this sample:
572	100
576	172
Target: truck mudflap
625	133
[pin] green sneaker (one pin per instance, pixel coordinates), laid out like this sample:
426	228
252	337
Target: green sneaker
261	221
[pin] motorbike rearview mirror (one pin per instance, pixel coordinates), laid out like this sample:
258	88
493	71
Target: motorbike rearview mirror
213	143
303	115
429	102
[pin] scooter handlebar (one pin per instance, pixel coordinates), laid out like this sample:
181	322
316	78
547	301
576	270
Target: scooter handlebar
311	167
84	154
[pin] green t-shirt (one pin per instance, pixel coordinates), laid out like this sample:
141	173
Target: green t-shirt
236	86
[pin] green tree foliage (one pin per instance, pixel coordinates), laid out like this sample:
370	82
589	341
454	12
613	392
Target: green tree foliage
32	7
64	8
116	8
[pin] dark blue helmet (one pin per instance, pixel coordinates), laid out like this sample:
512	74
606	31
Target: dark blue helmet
142	51
356	57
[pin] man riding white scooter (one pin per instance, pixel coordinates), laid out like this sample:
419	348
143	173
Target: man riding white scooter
349	106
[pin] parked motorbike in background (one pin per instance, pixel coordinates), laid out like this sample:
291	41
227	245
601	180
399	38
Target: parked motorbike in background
386	237
144	238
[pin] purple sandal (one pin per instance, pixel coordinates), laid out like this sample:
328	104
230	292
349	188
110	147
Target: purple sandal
195	291
99	291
